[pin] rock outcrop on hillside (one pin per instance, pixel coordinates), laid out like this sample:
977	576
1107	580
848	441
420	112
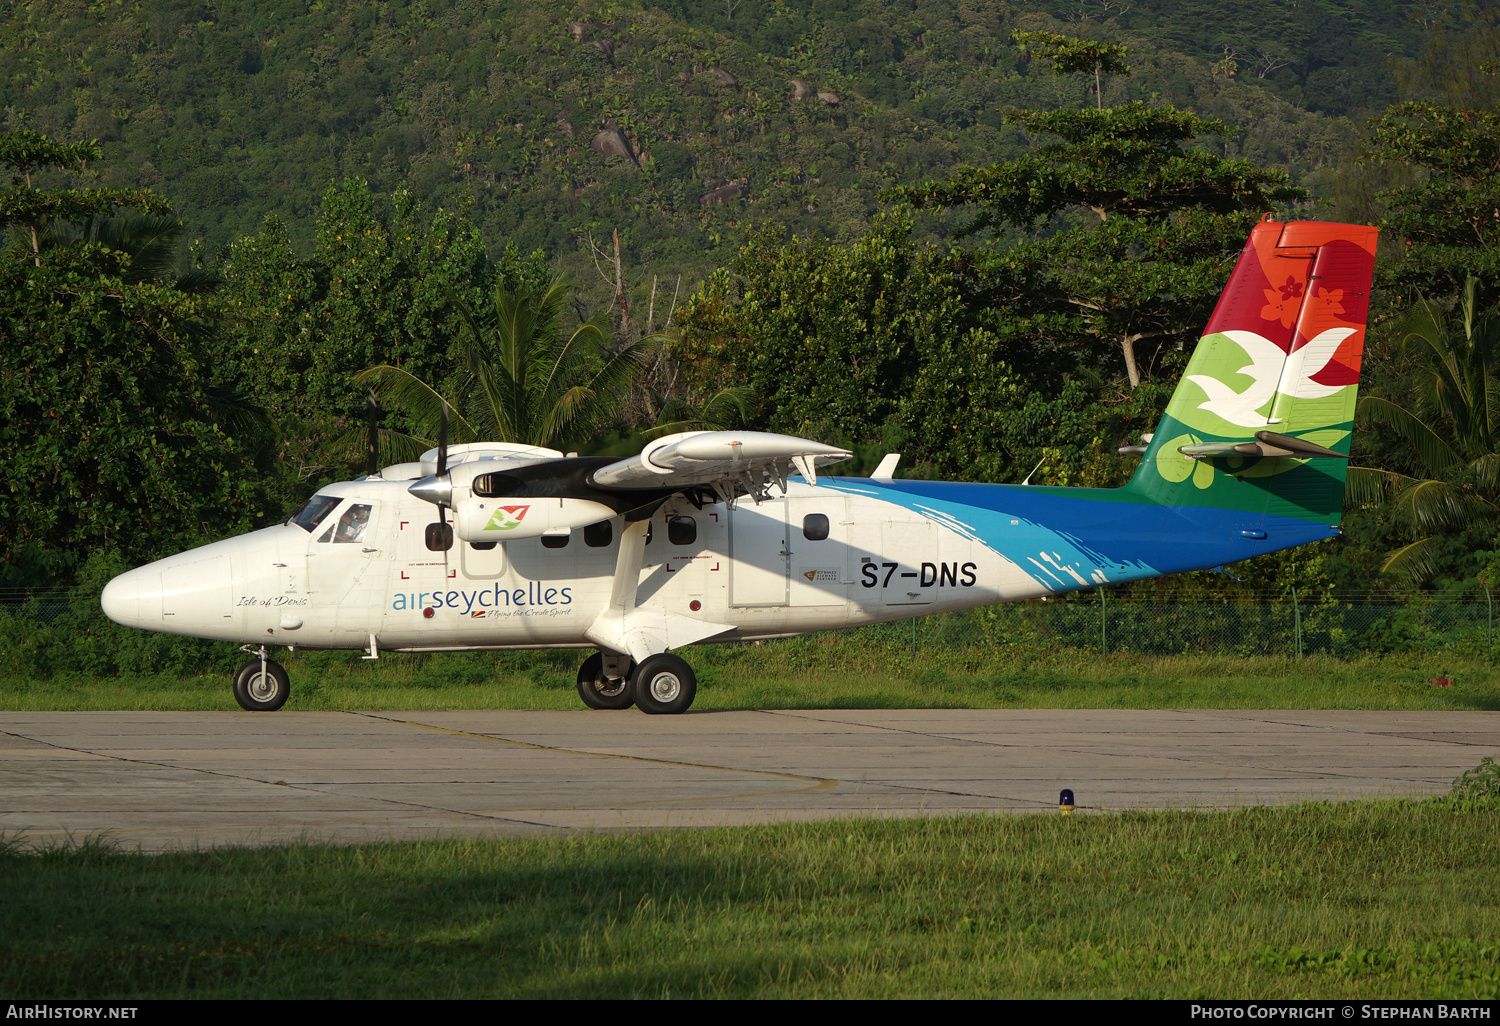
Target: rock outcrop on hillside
724	193
613	143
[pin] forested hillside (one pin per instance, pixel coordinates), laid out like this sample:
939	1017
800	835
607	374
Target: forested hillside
678	124
891	225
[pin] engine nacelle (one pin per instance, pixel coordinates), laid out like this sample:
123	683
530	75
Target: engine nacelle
479	519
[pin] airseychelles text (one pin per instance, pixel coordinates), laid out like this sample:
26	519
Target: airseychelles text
534	594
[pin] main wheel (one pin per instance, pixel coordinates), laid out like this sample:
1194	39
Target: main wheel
599	691
258	691
664	684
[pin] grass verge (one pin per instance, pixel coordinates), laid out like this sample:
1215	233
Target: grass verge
1361	899
822	671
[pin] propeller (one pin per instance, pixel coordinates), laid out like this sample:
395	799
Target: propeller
442	475
437	488
372	442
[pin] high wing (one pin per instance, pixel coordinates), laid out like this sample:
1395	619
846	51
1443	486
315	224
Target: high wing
499	495
506	495
731	463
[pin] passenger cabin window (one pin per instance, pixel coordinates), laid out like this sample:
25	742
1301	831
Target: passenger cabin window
554	541
483	546
815	527
597	536
439	537
311	513
682	531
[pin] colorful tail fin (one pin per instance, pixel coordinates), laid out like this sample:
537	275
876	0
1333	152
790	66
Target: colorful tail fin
1261	419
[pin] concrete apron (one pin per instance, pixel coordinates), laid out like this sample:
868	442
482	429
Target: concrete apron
159	781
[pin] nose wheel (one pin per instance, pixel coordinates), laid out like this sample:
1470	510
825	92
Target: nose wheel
601	690
262	685
664	684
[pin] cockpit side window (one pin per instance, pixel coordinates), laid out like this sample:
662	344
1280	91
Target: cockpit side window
312	512
351	526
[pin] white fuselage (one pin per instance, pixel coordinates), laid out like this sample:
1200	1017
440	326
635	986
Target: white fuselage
763	569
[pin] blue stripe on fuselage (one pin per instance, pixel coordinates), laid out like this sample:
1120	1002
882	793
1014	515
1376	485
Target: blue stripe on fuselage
1058	535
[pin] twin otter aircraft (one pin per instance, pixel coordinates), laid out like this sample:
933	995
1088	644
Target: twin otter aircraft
729	535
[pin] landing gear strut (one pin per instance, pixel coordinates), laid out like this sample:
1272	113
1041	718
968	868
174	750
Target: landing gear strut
663	684
261	685
605	687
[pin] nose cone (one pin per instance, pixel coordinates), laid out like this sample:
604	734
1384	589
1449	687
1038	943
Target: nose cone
121	599
187	594
436	489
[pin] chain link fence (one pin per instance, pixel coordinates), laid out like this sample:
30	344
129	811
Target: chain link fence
1097	621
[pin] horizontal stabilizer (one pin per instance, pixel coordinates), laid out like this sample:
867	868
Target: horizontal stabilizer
1266	443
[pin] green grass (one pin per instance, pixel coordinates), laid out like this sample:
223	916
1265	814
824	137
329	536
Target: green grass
1366	899
822	671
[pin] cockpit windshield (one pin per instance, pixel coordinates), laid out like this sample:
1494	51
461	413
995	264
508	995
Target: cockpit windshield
312	512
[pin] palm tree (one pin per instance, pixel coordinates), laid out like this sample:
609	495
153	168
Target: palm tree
1453	426
527	379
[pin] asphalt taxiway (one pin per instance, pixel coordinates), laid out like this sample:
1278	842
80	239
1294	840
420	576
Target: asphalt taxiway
169	780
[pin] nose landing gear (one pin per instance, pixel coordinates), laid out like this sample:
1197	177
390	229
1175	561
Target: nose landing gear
261	685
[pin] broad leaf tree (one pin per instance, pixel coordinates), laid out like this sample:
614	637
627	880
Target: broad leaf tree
1137	231
886	345
28	212
377	288
1070	56
1447	224
107	411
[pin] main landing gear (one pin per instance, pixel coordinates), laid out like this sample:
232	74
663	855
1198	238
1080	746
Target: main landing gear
601	690
662	684
261	685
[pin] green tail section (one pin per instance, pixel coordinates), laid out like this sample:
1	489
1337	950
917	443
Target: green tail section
1261	419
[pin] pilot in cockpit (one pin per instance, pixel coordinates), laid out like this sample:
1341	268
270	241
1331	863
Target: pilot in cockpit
352	524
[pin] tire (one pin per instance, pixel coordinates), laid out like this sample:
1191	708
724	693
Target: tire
257	693
599	691
664	685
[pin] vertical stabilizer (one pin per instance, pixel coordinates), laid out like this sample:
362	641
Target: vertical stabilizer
1266	405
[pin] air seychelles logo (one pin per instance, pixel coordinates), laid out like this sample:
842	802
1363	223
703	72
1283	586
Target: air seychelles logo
507	518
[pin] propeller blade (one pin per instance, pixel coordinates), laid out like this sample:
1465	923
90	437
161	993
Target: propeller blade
372	414
442	461
443	518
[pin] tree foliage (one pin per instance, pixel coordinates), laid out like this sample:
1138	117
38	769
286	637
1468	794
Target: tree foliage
25	206
1069	55
1169	219
240	110
107	400
1452	427
528	378
1448	221
376	289
888	344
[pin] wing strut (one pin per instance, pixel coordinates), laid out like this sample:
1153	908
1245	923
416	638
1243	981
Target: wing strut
642	632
